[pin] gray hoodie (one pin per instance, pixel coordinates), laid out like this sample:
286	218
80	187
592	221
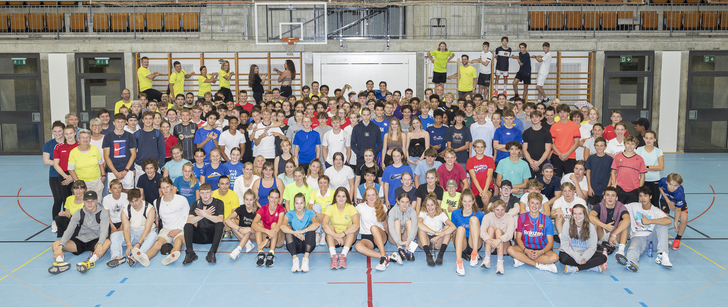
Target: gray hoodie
578	248
91	229
397	215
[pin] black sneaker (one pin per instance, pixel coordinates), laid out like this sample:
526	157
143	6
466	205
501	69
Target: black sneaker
430	261
270	260
438	261
261	259
189	258
131	261
211	257
410	256
402	253
116	262
465	256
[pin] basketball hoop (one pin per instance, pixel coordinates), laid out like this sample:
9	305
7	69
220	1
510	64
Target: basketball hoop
289	44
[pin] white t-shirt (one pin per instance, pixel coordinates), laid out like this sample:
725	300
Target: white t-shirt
231	141
545	64
99	144
584	185
313	183
486	56
336	143
436	223
482	132
240	188
352	160
174	213
590	144
567	206
614	147
368	218
114	206
524	199
137	220
339	178
637	229
651	158
267	146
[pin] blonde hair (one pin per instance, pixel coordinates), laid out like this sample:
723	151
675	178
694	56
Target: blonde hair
468	193
193	179
496	204
398	132
255	198
431	197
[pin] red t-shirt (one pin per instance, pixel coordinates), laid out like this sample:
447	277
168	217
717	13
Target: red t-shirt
481	168
564	136
248	106
457	173
609	133
628	171
267	218
61	152
346	123
168	143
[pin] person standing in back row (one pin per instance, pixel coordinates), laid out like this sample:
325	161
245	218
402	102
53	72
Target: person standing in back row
145	78
524	72
486	59
543	71
439	58
503	53
468	77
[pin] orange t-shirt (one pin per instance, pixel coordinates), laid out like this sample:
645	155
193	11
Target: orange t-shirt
564	135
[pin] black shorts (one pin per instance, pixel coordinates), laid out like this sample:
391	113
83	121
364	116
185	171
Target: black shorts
663	205
371	239
525	79
439	77
484	80
82	247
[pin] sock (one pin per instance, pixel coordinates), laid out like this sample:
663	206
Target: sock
59	258
426	248
487	252
272	252
93	258
332	251
443	247
678	237
239	248
260	251
345	250
621	248
500	257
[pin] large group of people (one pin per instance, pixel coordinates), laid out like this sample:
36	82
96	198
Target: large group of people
360	170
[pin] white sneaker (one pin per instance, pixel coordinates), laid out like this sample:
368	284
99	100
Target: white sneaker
235	253
597	269
459	269
663	259
140	257
395	257
323	239
304	265
295	268
547	267
499	267
171	258
383	264
474	257
517	263
486	263
54	227
249	246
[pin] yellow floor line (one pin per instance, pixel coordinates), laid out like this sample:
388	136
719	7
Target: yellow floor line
31	259
683	243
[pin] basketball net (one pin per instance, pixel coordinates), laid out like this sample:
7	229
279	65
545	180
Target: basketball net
289	44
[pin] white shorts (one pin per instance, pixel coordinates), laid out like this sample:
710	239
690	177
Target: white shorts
541	80
96	186
127	182
500	73
163	234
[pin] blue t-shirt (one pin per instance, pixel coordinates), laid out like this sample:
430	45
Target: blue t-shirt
119	146
437	136
422	168
678	196
235	171
600	170
550	189
212	175
393	176
519	124
184	189
175	168
48	147
525	69
504	135
383	126
201	136
427	122
306	142
362	188
300	224
198	170
150	186
459	220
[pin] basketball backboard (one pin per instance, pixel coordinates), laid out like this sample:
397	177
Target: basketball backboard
303	20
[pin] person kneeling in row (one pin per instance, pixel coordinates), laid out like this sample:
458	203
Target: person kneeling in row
138	234
579	242
204	224
535	238
91	224
299	226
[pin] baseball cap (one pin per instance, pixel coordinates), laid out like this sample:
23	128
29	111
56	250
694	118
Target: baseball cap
642	122
548	166
506	183
451	182
132	115
90	195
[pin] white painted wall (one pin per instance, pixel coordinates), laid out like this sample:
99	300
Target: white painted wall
398	69
669	100
58	85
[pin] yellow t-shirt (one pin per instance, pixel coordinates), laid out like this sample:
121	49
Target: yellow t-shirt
292	189
324	201
224	83
449	201
341	220
119	104
230	200
85	164
144	82
71	205
440	60
203	87
467	74
178	81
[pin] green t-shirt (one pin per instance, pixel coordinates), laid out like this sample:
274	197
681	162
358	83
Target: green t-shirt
292	189
467	74
441	60
448	201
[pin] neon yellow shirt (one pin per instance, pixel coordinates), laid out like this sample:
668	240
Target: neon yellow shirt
292	189
71	205
449	201
230	200
177	79
203	87
144	82
440	60
467	74
341	220
85	164
121	103
224	83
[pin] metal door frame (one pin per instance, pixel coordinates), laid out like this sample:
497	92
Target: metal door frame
689	99
650	74
80	76
39	93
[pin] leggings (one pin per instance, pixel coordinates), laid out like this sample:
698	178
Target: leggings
62	224
596	260
59	195
296	246
258	96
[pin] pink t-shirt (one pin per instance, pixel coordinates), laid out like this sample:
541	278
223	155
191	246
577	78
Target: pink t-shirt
267	218
457	173
628	171
481	168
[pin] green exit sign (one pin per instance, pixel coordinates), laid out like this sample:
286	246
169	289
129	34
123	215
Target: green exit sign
18	61
102	61
709	58
625	59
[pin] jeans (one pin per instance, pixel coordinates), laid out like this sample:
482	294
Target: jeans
118	242
639	245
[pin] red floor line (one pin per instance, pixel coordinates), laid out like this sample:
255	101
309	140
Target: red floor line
18	196
706	210
392	282
26	213
346	283
370	301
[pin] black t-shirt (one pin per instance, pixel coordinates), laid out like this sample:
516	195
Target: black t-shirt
359	171
458	138
245	217
537	140
186	137
219	210
512	202
257	84
610	213
550	189
411	193
422	192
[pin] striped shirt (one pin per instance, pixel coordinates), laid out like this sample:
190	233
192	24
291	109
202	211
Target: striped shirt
534	231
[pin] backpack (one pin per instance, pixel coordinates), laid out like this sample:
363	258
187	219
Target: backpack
80	221
144	213
157	203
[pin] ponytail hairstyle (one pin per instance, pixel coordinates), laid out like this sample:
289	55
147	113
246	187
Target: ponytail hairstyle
431	198
583	235
193	179
378	205
300	170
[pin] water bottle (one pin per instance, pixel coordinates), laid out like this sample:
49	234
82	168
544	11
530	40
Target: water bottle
650	250
604	266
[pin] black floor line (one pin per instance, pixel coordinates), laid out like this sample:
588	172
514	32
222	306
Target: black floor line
37	233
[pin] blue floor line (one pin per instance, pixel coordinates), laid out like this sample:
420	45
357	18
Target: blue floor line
198	289
539	287
626	289
123	280
110	293
615	278
643	304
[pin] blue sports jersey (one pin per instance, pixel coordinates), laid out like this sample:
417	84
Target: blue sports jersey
459	220
437	136
504	135
534	231
678	196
